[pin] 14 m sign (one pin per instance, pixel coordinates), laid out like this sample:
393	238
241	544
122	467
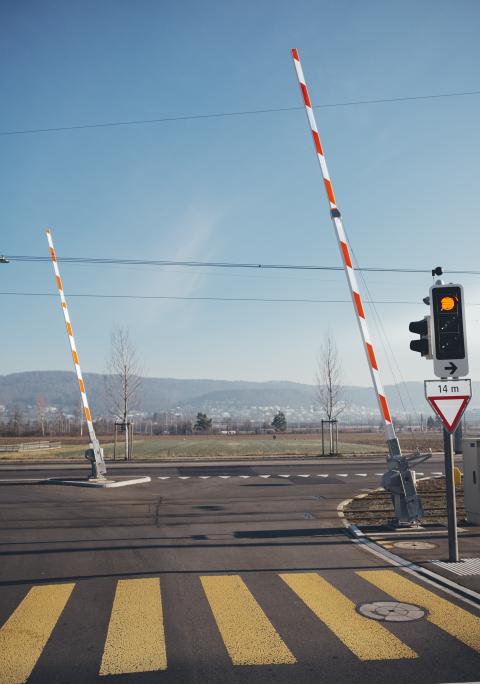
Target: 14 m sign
449	399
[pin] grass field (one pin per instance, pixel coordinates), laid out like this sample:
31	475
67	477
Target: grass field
204	447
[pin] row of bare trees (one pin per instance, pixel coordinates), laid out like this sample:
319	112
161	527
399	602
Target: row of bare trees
122	395
123	384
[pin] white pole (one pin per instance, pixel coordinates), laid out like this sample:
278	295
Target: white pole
392	441
100	469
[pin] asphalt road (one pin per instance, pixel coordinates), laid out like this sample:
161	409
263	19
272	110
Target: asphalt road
217	573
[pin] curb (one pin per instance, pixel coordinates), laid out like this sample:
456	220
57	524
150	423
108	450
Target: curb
106	484
6	464
451	587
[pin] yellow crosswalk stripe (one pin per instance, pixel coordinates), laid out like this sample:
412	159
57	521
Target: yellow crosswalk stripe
249	636
367	639
25	633
135	638
456	621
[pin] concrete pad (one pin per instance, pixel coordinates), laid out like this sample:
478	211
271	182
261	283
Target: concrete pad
100	484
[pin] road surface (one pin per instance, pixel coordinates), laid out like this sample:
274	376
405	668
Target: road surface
218	573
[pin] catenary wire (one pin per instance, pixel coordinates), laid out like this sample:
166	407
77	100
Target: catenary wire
216	115
96	295
391	359
227	264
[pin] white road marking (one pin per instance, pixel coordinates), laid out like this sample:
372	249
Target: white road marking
341	474
165	477
224	477
321	475
283	475
204	477
379	474
361	474
303	475
265	476
419	473
184	477
436	473
245	477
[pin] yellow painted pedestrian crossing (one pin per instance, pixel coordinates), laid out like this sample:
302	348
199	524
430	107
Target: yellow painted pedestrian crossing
367	639
24	635
456	621
134	637
248	634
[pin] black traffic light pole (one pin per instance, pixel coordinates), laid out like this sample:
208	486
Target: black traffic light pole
442	338
443	348
451	502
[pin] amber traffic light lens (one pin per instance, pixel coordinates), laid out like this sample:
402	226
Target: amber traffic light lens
447	304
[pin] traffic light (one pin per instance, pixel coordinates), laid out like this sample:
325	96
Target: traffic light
423	345
449	342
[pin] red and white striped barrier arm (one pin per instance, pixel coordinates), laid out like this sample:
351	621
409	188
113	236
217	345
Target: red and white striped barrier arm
71	339
392	440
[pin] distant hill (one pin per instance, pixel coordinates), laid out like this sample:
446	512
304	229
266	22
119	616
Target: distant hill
60	389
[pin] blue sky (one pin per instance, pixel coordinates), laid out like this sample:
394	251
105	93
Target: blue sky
239	188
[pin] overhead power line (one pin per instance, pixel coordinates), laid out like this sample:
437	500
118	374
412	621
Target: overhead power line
229	264
281	300
248	112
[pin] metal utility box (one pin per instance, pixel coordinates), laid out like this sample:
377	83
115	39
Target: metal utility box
471	478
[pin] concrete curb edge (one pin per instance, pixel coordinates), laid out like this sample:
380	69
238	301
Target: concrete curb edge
359	537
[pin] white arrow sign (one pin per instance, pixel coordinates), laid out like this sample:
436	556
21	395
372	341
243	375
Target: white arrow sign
449	399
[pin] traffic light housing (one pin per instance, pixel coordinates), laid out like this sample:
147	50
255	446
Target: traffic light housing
422	345
449	347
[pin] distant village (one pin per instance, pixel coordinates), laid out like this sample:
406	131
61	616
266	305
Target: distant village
47	420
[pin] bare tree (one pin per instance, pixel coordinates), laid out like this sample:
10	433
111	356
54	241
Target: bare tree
17	421
123	380
328	383
41	409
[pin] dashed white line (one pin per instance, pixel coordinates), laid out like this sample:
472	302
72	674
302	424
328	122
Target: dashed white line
265	476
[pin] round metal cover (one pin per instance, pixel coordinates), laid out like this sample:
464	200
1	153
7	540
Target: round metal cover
391	611
415	545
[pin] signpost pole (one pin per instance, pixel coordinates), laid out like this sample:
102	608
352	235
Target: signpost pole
449	399
451	503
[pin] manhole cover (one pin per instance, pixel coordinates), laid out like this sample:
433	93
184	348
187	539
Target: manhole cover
414	545
391	611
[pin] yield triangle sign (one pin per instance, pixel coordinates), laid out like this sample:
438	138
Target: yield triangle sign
449	399
450	409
